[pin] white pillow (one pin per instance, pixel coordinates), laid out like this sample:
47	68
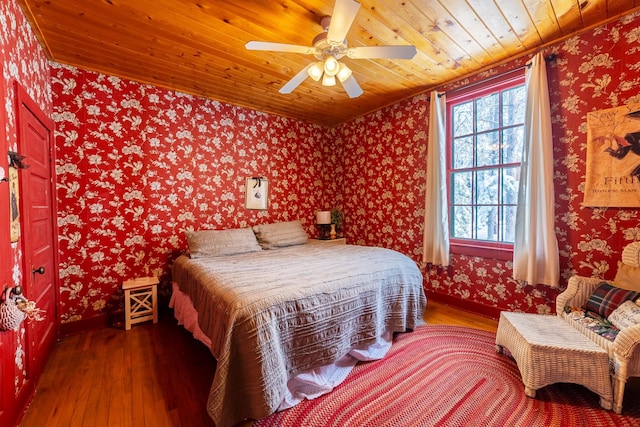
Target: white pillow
626	315
280	234
211	243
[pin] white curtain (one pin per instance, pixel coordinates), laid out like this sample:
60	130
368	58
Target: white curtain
535	250
436	218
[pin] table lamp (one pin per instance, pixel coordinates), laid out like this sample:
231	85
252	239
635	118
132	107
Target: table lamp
323	222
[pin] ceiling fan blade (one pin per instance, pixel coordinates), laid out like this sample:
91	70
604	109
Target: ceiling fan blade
352	87
381	52
296	80
344	12
280	47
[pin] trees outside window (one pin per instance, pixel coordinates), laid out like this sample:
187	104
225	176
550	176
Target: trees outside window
485	128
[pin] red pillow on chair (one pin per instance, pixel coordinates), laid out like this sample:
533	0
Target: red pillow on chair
606	298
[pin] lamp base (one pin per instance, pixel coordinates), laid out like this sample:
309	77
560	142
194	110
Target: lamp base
325	231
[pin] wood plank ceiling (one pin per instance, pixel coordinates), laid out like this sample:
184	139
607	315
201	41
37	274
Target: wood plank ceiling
197	46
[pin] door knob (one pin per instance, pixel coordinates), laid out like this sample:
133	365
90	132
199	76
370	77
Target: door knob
38	270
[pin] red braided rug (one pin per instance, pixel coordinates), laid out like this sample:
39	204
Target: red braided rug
449	376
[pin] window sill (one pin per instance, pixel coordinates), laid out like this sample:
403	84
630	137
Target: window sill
503	252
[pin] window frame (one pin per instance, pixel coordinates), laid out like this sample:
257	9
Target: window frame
476	247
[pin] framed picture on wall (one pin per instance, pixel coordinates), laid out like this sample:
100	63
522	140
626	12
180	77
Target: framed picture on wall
613	157
256	191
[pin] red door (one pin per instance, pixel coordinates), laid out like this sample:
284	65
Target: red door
38	235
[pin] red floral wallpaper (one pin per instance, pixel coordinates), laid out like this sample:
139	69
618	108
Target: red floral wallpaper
384	160
137	165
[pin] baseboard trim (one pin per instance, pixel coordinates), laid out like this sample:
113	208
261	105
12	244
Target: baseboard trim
474	307
82	326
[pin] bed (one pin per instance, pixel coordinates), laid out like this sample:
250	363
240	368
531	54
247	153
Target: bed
271	312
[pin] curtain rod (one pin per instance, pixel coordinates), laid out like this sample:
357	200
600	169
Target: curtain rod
548	58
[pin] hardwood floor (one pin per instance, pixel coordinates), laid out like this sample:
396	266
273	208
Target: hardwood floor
440	314
153	375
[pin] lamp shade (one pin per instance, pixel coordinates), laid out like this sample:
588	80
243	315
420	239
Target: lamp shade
328	80
344	73
315	71
323	217
331	66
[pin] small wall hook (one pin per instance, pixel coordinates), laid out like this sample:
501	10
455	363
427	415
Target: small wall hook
16	160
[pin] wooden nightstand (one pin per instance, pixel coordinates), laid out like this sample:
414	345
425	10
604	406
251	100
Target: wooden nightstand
140	300
337	241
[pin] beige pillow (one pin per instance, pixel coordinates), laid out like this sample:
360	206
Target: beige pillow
280	234
626	315
627	277
212	243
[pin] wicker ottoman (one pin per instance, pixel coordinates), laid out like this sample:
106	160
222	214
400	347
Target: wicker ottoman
548	350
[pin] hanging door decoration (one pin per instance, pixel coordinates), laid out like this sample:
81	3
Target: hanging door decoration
14	203
15	163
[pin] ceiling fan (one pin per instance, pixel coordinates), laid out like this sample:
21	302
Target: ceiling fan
329	46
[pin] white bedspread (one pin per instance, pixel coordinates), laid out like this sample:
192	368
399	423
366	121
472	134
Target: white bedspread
273	314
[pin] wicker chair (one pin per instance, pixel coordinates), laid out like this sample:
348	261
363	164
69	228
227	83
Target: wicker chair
624	351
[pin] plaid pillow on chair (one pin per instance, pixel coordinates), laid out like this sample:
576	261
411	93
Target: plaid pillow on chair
606	298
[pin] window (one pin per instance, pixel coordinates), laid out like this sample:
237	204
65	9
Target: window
485	142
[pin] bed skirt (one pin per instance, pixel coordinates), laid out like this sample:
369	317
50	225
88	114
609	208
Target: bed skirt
307	385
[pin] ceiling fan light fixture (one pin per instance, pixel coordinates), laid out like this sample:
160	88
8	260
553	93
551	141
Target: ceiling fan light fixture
344	73
330	46
315	71
328	80
331	66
